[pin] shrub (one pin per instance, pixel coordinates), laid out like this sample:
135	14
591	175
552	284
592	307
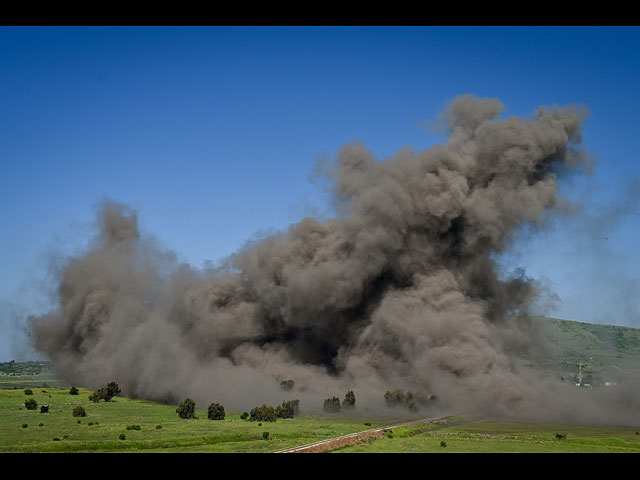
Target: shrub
105	393
133	427
265	435
349	400
215	412
409	399
158	427
30	404
79	411
24	425
288	409
331	405
187	409
561	436
287	384
264	413
41	425
443	443
28	391
122	436
244	415
73	391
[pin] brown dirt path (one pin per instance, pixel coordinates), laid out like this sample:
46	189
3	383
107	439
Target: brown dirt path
355	438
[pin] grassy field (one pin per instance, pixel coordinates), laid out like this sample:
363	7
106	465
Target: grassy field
607	353
161	430
152	427
502	436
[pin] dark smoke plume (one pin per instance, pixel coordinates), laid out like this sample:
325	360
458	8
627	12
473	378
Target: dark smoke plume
399	290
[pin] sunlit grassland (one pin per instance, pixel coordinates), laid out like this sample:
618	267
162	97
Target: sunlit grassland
160	430
503	436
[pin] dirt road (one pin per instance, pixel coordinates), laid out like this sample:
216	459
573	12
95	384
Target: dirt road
355	438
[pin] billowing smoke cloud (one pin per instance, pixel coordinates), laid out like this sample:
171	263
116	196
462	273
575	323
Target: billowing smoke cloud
399	290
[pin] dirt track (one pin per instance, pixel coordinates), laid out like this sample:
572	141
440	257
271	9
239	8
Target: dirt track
354	438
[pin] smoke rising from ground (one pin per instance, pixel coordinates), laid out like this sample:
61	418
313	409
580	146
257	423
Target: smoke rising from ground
399	290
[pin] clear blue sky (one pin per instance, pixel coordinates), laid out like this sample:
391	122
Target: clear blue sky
212	133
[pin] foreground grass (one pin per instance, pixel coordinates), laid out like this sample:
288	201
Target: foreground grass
503	436
161	430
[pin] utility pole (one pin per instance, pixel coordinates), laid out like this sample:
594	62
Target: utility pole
579	374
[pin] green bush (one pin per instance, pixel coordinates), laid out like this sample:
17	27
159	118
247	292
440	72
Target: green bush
187	409
331	405
349	400
122	436
30	404
215	412
28	391
265	435
105	393
264	413
79	411
288	409
443	443
244	415
73	391
24	425
409	399
287	384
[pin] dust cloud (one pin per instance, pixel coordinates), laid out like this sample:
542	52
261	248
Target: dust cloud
400	289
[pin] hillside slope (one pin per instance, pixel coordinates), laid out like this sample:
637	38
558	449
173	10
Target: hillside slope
607	353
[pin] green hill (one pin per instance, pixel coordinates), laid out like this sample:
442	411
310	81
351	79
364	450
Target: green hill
607	353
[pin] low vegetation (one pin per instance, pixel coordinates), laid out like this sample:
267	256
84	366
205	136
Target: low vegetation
215	412
128	424
187	409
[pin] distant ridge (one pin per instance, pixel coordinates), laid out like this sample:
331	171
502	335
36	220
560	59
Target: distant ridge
609	353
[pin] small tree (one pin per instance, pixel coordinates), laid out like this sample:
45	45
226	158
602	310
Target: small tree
331	405
215	412
105	393
349	400
187	409
73	391
30	404
288	409
28	391
79	411
287	384
113	390
265	413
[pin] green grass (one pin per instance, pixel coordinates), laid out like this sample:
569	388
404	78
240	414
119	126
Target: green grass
606	352
503	436
111	419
